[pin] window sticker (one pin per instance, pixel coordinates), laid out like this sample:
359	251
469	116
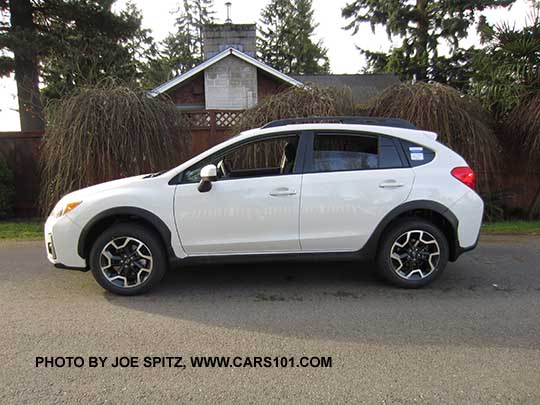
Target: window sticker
416	152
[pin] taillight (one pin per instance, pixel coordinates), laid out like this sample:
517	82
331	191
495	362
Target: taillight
465	175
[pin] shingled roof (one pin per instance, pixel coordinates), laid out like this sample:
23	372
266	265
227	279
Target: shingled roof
363	86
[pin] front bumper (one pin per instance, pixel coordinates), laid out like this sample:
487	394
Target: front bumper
61	239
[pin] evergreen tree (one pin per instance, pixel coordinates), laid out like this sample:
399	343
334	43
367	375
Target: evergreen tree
188	39
507	71
285	42
183	49
309	57
19	35
274	41
65	43
95	46
424	26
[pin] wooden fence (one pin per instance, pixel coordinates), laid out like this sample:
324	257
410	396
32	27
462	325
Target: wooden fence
208	128
21	152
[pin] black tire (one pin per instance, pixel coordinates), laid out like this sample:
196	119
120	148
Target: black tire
389	267
152	244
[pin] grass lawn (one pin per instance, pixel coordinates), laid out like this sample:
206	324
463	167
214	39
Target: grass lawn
21	229
512	228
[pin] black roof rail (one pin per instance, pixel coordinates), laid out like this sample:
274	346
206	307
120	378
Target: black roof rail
385	122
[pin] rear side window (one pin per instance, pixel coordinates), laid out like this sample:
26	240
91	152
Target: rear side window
336	152
417	155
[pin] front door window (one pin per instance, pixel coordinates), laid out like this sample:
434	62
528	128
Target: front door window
267	157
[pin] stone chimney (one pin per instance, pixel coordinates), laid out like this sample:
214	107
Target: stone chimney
218	37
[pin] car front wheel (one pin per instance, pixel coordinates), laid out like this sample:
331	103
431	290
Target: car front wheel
413	253
128	259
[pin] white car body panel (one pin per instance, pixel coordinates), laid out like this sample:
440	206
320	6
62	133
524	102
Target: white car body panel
240	216
433	180
469	210
154	195
340	210
66	237
329	212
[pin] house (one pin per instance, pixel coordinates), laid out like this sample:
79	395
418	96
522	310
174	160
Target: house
231	79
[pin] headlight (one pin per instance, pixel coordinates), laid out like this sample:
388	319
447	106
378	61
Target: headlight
63	209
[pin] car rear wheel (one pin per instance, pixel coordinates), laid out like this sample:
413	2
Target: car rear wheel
413	253
128	259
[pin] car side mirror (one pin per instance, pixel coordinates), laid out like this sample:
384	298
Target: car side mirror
208	174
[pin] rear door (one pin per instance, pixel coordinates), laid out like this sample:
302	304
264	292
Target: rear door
351	181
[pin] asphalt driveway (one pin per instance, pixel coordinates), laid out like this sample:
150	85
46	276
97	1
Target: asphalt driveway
473	336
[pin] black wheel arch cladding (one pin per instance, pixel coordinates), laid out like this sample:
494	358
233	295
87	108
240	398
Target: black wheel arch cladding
373	243
112	215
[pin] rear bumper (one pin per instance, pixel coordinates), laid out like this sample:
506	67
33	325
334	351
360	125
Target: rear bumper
469	211
460	250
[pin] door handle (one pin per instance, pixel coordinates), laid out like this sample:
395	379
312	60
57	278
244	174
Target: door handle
282	191
390	184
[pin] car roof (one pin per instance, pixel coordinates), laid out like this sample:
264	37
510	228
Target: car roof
357	120
413	135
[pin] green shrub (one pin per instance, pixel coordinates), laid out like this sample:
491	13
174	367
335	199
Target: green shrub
7	191
297	102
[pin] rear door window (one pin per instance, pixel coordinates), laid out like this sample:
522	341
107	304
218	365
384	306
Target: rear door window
338	152
389	154
345	152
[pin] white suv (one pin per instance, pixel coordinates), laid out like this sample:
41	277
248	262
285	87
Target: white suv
357	188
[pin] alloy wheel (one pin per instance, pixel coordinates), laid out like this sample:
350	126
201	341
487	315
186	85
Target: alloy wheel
415	255
126	262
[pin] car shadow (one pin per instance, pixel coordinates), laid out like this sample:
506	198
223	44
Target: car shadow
280	276
342	301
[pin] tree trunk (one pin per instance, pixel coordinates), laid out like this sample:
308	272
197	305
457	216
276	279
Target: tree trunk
26	65
421	45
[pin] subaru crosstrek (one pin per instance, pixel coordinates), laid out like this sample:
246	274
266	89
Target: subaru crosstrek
344	187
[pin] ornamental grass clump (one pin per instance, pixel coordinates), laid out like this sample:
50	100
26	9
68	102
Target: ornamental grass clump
298	102
104	133
460	122
523	124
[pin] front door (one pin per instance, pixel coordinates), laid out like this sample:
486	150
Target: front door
252	207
